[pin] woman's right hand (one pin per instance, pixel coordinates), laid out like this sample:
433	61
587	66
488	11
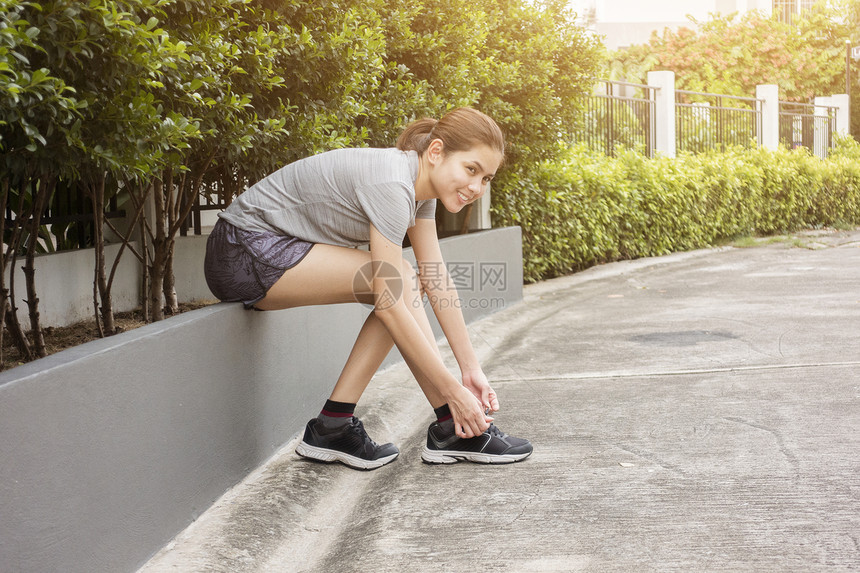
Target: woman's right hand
469	417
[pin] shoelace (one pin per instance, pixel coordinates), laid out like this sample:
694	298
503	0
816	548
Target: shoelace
495	431
358	428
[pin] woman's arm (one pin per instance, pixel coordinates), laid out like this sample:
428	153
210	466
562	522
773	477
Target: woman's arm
418	351
446	305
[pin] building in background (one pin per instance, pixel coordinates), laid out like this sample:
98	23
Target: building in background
789	9
624	23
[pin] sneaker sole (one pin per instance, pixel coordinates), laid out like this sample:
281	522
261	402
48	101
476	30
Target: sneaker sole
452	457
324	455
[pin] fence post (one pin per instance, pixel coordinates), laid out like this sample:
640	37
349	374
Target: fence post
664	111
768	136
821	126
843	120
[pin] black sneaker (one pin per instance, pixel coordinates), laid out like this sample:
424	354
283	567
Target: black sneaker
348	444
492	447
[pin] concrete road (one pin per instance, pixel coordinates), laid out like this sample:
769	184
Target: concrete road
695	412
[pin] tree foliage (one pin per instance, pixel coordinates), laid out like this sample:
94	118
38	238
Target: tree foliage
731	55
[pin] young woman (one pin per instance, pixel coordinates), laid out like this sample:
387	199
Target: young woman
289	241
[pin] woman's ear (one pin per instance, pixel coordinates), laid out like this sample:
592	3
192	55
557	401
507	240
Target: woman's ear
435	151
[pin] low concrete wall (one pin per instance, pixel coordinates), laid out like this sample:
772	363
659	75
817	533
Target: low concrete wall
109	449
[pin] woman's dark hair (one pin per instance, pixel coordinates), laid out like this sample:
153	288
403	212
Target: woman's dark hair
460	130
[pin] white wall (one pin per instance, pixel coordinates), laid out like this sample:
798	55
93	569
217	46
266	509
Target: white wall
629	22
64	282
629	11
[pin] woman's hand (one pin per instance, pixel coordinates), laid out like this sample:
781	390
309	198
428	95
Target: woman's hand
469	417
476	381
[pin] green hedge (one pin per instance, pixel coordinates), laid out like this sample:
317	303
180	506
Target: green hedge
585	208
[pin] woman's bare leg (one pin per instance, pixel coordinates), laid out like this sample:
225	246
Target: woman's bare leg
371	347
326	276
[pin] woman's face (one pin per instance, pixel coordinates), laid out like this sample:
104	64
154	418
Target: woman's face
462	177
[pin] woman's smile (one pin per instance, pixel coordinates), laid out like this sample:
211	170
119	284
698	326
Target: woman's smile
460	178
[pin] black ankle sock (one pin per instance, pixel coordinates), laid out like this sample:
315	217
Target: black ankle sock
335	414
338	409
443	413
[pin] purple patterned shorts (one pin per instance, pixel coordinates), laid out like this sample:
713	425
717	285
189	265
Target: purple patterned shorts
241	266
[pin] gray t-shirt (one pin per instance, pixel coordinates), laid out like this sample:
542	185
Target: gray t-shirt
335	196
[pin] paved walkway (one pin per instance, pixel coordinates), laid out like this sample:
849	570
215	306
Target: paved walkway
695	412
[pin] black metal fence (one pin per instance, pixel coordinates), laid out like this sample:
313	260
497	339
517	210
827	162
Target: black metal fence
706	121
623	114
204	202
805	125
619	113
68	221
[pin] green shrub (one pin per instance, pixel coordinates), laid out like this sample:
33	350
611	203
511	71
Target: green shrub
585	208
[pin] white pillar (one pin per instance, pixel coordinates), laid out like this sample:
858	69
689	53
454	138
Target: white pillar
768	136
480	217
843	120
763	6
664	112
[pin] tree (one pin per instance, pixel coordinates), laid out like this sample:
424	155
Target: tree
111	60
523	63
538	64
197	86
731	55
850	9
127	132
37	124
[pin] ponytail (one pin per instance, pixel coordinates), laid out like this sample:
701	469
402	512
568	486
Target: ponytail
460	130
416	136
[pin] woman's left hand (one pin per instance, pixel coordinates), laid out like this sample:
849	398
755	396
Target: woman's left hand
477	383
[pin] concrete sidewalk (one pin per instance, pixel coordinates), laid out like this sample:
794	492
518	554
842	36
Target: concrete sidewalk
695	412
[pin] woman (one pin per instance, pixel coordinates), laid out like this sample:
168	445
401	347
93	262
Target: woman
288	241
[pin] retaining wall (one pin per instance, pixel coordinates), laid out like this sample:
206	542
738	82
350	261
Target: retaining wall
109	449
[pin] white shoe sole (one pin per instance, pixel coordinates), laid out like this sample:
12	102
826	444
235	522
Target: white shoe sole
324	455
452	457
